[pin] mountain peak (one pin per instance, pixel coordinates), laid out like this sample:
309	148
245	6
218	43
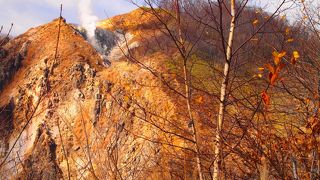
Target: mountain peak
37	48
138	19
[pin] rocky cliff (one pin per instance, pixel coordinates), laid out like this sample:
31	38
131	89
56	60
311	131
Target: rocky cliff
65	114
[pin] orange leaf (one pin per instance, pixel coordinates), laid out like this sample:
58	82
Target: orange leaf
265	97
258	75
126	98
287	31
296	54
275	53
277	56
295	57
271	68
283	53
200	100
290	40
273	79
255	22
276	60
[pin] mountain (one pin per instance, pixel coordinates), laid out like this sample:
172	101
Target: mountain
63	112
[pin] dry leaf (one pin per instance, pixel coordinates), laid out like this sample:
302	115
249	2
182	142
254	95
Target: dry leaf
126	99
295	57
265	97
296	54
277	56
290	40
200	100
287	31
270	68
273	78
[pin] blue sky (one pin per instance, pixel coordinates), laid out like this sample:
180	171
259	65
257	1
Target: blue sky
30	13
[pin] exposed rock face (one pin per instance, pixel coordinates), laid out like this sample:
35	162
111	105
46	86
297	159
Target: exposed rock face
11	63
34	99
41	161
6	126
80	119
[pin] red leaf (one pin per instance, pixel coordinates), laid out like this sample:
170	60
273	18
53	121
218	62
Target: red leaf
265	97
281	66
270	67
274	78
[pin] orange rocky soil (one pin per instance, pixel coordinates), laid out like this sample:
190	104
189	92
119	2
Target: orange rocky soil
71	116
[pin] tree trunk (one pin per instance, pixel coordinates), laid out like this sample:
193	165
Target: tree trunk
187	92
264	173
294	169
222	105
192	122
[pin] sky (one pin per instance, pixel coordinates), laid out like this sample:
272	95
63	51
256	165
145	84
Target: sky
30	13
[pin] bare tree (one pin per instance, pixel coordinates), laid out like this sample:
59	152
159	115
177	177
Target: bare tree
223	93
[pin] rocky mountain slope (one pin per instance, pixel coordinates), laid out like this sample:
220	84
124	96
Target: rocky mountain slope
72	116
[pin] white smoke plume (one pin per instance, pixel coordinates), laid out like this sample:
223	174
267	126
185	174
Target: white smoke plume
88	20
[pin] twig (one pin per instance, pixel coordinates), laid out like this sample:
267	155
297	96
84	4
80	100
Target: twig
63	149
91	169
24	127
4	39
18	156
58	39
